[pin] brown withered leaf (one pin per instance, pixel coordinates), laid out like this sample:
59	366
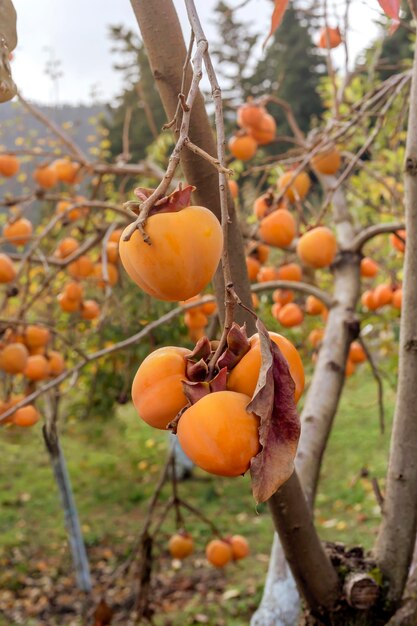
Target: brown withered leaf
195	391
276	19
103	614
279	430
175	201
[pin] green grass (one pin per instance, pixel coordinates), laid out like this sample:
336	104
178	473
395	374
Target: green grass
114	465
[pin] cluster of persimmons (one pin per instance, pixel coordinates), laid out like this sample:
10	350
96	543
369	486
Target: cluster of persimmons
219	552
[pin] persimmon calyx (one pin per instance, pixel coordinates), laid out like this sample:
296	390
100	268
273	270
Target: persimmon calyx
194	391
172	203
237	346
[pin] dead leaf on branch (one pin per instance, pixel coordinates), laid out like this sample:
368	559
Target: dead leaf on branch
391	9
276	19
279	430
175	201
8	42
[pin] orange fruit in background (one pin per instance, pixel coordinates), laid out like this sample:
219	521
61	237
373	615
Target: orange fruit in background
264	132
397	243
36	336
219	435
255	301
9	165
112	250
315	336
66	170
290	271
90	310
252	266
233	188
275	309
183	257
116	234
329	37
350	368
157	391
181	545
397	298
13	358
7	269
282	296
382	295
314	306
19	232
278	228
262	205
317	247
72	215
290	315
26	416
112	272
262	252
368	300
68	305
267	273
67	246
37	367
56	363
219	553
327	162
243	147
244	375
46	177
356	353
195	318
209	308
240	547
369	268
81	267
73	291
250	115
299	187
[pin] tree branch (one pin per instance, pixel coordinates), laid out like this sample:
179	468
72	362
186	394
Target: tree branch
373	231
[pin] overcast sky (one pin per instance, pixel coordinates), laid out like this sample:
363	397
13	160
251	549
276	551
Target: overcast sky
76	33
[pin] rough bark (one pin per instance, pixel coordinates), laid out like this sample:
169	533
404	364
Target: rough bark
320	407
395	543
72	523
159	24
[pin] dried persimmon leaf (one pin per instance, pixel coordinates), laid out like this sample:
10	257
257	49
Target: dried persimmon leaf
279	429
276	19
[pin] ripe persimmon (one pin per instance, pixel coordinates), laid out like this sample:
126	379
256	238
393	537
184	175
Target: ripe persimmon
252	266
74	214
73	290
112	250
9	165
233	188
275	309
7	269
67	246
262	252
68	305
195	318
262	205
13	358
368	300
397	242
209	308
181	545
278	228
350	368
244	375
250	114
45	176
219	552
26	416
255	301
356	353
327	162
66	170
382	295
36	336
264	132
81	267
56	363
290	271
90	310
157	391
290	315
218	434
317	247
298	188
329	37
240	547
282	296
314	306
369	268
267	273
19	232
112	275
397	298
116	234
315	336
243	147
37	367
182	258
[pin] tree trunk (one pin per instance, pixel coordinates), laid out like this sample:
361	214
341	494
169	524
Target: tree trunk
72	523
319	409
395	543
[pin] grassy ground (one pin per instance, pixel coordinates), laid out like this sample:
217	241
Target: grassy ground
114	466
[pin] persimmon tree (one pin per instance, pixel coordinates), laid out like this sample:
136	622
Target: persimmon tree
231	400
